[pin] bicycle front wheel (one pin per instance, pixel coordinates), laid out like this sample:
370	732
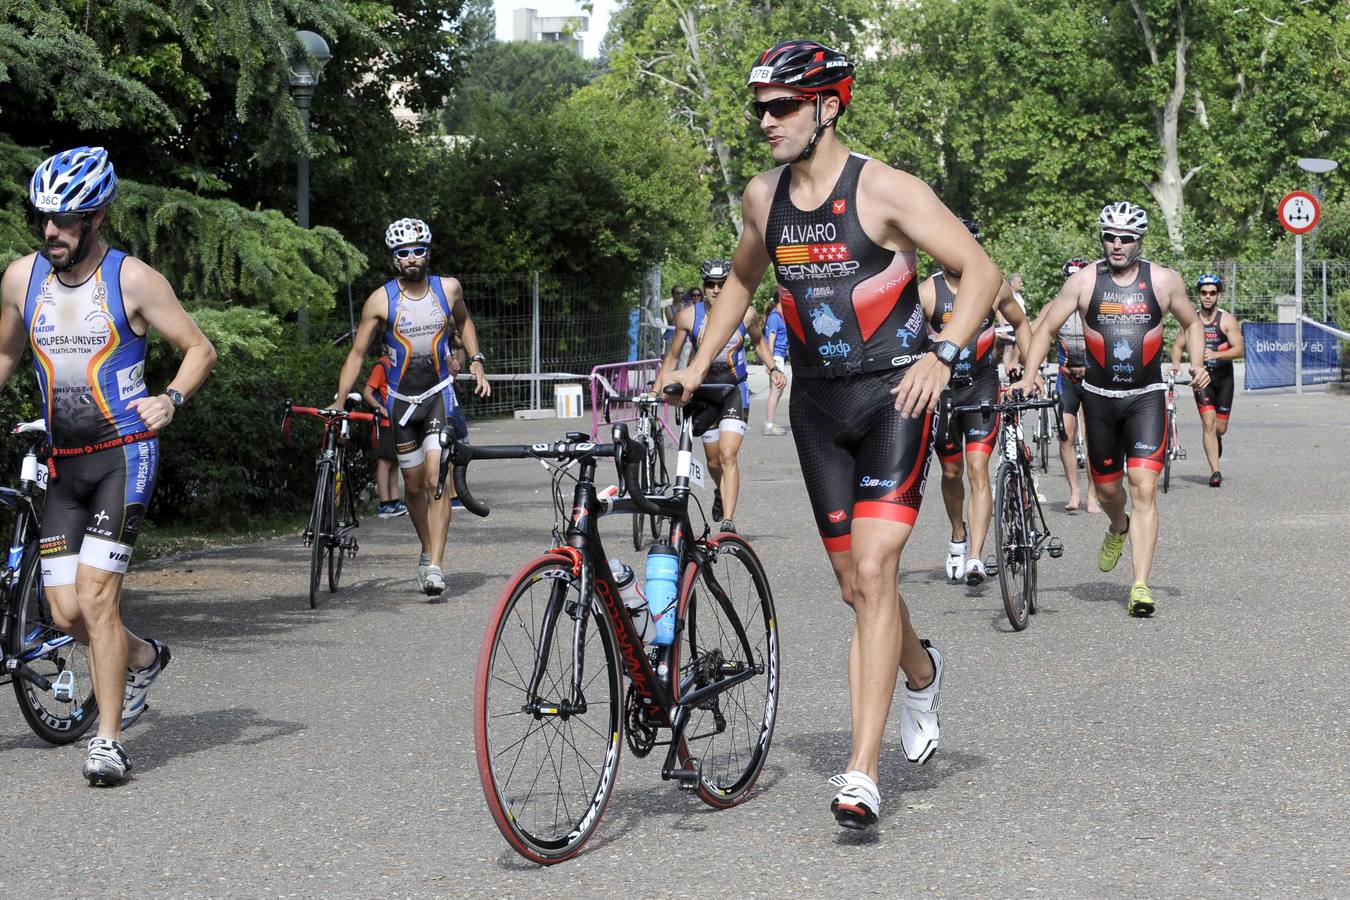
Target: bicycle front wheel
547	765
1167	452
658	479
62	713
643	486
320	529
1044	439
729	632
1013	550
342	520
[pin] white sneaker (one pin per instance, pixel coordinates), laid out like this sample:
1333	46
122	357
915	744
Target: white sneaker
975	572
919	716
138	685
858	802
433	583
423	563
956	558
106	763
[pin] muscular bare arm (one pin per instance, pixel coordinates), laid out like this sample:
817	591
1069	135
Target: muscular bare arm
12	290
1172	298
373	312
454	292
1052	317
149	298
762	347
1233	331
1012	311
684	324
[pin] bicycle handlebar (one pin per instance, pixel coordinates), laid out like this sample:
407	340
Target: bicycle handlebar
328	414
1002	406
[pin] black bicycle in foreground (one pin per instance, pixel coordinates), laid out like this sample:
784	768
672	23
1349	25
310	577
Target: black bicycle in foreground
551	713
1020	532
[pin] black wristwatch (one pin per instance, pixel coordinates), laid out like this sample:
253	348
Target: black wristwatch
478	358
174	397
947	352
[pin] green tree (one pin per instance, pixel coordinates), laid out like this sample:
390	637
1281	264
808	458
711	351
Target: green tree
518	75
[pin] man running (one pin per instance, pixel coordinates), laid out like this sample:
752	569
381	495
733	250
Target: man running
722	443
842	232
376	394
1122	300
1072	365
775	331
974	380
86	310
1223	344
418	313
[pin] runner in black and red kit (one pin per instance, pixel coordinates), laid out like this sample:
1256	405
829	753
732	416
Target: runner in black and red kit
965	441
1223	344
1122	300
842	232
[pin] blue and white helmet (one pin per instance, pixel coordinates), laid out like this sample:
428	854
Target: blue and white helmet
1209	278
1123	216
405	232
76	180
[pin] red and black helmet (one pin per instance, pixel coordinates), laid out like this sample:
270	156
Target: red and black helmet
806	66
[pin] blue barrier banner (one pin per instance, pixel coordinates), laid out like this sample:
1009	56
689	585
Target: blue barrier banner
1270	355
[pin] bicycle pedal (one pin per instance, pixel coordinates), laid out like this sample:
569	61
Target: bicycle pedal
63	687
351	550
688	776
1055	548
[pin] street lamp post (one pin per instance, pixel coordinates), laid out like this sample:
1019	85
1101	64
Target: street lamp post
1313	166
306	67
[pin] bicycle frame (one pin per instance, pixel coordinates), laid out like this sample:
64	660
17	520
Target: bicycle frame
664	702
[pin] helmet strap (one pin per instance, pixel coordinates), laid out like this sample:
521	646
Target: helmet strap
820	130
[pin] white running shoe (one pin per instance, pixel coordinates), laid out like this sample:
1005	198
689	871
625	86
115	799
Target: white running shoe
919	730
433	584
858	802
975	573
106	763
956	558
423	563
138	685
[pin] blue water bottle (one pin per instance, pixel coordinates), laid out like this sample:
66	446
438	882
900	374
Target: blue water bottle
661	589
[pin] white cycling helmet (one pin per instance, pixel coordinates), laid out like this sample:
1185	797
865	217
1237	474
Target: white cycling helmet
1123	216
405	232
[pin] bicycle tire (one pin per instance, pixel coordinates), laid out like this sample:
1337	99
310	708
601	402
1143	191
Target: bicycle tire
520	805
1167	453
1010	543
55	721
644	483
1044	439
729	772
319	518
659	478
342	506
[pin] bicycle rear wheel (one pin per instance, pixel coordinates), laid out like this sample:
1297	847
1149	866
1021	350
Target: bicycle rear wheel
1013	552
548	773
342	520
320	528
729	627
63	713
1167	452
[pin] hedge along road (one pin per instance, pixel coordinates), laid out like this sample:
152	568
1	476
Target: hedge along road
331	752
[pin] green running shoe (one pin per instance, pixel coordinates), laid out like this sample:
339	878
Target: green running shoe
1141	602
1112	546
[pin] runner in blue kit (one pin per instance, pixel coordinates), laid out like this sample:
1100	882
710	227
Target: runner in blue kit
965	441
1223	344
775	330
419	314
842	232
1122	300
86	310
722	442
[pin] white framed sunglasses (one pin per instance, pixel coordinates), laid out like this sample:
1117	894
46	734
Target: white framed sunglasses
410	252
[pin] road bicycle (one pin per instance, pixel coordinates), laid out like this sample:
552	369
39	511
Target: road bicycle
332	515
1020	532
551	715
49	668
1173	449
653	478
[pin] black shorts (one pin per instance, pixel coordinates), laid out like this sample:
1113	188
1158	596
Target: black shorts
1217	396
422	428
973	431
386	448
1124	431
860	458
1070	395
94	509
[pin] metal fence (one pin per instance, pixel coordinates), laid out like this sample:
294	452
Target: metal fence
1252	290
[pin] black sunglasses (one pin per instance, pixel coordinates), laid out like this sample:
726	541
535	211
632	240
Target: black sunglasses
62	220
1125	239
779	107
410	252
1209	293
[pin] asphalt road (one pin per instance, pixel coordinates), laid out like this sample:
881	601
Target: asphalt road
330	752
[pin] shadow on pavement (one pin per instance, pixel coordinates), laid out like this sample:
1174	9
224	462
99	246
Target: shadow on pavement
170	737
